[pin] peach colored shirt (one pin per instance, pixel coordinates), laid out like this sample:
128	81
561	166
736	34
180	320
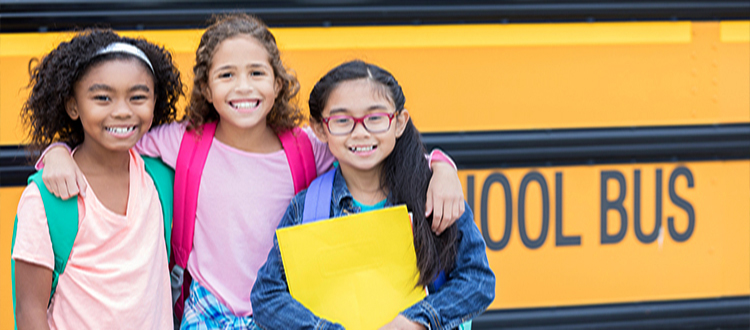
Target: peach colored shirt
117	276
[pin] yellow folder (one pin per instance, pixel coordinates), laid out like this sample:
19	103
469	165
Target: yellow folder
359	270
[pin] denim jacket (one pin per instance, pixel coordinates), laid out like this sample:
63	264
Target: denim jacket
468	291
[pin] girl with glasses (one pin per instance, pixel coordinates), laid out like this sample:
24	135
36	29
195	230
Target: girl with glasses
358	109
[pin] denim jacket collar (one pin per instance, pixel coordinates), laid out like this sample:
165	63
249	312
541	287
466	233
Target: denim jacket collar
342	199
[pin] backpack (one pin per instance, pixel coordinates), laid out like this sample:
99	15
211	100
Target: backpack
318	207
190	162
63	226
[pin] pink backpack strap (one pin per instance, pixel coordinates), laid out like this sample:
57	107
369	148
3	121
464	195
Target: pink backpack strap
190	162
299	154
188	170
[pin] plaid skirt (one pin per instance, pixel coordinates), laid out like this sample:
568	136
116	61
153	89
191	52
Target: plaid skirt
203	311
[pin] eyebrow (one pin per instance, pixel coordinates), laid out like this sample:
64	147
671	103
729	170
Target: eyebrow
142	88
231	66
371	108
100	87
107	88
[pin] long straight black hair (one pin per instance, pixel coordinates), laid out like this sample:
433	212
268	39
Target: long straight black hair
406	173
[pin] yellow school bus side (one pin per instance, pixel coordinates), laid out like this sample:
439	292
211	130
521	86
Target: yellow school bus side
502	77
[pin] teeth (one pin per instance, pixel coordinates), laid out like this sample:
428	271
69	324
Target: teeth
245	105
361	149
120	130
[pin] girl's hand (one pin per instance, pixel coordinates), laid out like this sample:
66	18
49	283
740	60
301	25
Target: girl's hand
402	323
61	174
445	197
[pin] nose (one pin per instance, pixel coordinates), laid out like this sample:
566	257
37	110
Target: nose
244	83
122	109
360	130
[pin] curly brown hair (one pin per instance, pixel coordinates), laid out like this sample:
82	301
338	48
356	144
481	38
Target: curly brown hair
53	79
284	114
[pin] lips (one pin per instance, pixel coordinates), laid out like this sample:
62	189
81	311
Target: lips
244	105
121	130
362	149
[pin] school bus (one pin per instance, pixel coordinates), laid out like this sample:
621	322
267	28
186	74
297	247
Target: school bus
604	146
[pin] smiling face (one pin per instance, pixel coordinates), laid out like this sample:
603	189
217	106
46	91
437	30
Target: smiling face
241	83
114	101
361	150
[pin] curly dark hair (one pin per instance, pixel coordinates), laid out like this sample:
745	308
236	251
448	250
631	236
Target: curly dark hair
285	114
406	173
53	79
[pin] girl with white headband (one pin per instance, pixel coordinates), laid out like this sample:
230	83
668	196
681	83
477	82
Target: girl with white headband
99	93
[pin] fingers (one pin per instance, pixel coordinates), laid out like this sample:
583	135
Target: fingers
451	210
72	186
428	203
63	186
437	215
81	184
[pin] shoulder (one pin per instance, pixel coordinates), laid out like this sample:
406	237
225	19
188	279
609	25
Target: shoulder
323	157
294	211
298	202
466	221
31	195
167	131
32	239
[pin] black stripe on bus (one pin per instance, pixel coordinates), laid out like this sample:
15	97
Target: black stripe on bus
535	148
34	15
560	147
717	313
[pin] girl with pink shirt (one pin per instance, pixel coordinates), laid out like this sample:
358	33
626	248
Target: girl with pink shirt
98	93
241	85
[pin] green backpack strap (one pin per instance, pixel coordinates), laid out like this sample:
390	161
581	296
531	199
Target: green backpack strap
163	177
63	228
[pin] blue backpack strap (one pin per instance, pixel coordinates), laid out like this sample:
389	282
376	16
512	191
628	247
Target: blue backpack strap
318	198
163	177
439	281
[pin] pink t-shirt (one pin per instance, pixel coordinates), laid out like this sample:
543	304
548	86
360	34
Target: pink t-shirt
241	200
117	276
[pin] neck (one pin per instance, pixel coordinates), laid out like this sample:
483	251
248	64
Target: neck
259	138
92	159
365	186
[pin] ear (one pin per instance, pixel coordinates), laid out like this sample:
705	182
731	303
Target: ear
319	129
277	87
401	119
71	107
206	92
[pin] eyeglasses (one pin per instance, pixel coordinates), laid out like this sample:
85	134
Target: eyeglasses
373	123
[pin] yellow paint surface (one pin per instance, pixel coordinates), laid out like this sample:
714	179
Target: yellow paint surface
493	76
8	201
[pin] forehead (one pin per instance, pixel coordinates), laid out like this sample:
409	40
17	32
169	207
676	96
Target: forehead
239	50
359	96
114	72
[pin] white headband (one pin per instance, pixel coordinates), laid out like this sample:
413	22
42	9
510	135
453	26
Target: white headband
122	47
